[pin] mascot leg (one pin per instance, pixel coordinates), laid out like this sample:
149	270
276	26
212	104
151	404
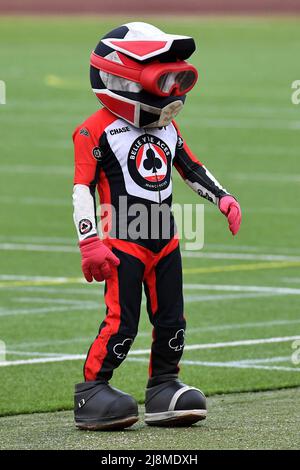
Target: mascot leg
169	402
97	404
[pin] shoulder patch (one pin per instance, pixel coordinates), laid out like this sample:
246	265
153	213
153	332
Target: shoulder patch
84	131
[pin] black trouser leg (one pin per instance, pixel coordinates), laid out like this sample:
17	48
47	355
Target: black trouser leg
123	301
163	287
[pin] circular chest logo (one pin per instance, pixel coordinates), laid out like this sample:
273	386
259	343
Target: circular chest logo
149	162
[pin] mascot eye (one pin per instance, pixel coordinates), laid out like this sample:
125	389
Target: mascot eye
182	81
185	79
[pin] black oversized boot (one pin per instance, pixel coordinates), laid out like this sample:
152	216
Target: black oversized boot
98	406
172	403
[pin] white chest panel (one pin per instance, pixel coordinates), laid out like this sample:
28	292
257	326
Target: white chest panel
145	158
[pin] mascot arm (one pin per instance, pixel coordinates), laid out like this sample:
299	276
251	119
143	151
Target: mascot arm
196	175
84	212
205	184
194	172
85	181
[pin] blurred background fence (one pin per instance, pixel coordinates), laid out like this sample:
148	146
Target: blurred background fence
154	6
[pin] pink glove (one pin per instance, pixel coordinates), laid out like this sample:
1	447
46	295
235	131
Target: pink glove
231	208
97	259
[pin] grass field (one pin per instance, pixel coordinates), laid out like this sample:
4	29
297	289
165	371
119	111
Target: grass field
242	294
272	424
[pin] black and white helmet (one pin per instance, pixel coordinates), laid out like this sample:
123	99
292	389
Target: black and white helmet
139	73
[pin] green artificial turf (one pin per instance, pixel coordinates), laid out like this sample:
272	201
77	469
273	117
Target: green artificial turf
263	420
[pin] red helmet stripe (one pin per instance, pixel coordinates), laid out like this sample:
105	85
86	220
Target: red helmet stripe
140	48
117	106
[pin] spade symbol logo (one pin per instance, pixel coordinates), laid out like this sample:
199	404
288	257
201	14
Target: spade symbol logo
151	162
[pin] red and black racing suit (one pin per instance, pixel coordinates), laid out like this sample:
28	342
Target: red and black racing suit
127	166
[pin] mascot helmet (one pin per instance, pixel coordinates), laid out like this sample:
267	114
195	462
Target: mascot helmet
139	73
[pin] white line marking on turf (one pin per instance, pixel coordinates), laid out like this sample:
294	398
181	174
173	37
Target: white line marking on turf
243	342
29	201
17	277
75	357
226	344
267	178
265	360
213	287
215	297
186	254
239	256
245	123
201	329
43	240
93	289
228	364
34	353
147	334
33	247
249	342
53	342
44	360
45	300
293	280
237	326
76	304
96	290
240	366
243	288
280	250
252	248
58	170
39	311
82	306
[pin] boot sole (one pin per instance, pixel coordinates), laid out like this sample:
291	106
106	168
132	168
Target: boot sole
114	424
175	418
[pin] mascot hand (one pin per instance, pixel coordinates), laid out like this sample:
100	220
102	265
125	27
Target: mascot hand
231	209
97	259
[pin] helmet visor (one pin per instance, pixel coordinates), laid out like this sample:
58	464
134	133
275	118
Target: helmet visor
180	81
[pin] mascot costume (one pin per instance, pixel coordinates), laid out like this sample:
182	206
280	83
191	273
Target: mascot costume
126	151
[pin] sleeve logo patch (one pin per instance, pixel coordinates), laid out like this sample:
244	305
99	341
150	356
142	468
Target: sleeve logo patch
84	131
97	153
85	226
180	142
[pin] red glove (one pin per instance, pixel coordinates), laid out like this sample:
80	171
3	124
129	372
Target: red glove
231	209
97	259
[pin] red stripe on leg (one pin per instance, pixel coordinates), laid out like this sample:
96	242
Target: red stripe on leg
150	280
98	350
